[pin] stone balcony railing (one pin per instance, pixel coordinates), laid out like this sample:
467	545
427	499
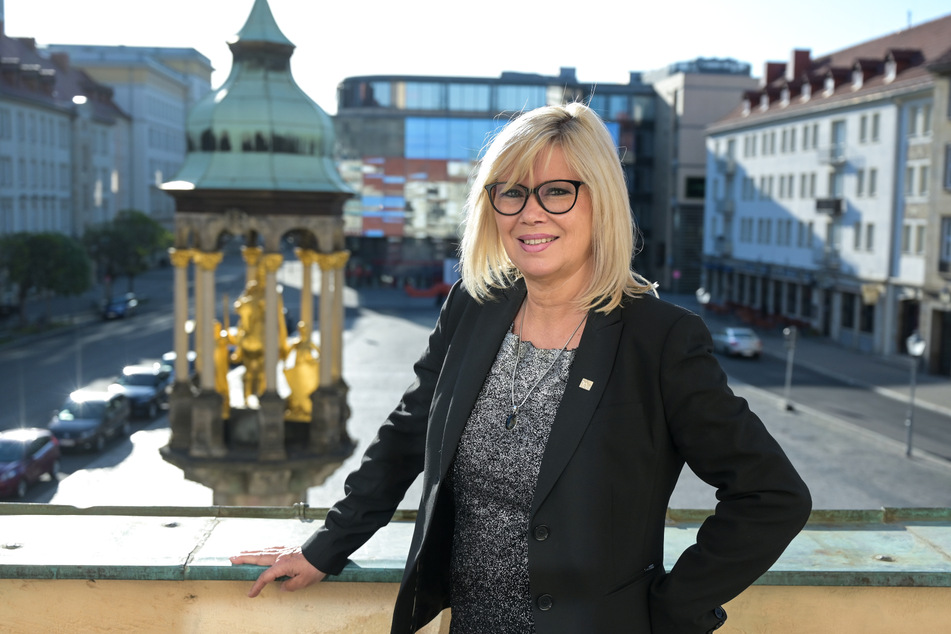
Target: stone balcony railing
166	569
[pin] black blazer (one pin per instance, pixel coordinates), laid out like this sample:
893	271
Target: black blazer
644	395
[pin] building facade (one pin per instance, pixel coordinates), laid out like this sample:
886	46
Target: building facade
408	145
60	139
155	86
690	96
823	207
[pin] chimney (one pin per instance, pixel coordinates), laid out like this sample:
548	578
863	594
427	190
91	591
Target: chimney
60	59
799	63
772	72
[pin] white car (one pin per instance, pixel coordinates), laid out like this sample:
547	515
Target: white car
737	342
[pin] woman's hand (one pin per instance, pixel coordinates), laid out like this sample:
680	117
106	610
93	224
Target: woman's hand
286	563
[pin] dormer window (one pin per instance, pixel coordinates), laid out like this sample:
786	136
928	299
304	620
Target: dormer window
784	97
764	101
858	78
806	92
891	69
829	86
746	107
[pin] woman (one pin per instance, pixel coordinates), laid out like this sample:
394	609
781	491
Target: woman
553	411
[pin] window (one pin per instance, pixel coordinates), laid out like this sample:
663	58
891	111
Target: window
947	167
863	129
870	236
857	236
792	140
926	119
423	95
906	239
848	310
872	181
944	254
875	126
695	187
910	181
913	121
923	175
860	183
519	98
920	240
867	318
469	97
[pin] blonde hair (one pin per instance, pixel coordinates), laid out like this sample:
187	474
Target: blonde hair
590	151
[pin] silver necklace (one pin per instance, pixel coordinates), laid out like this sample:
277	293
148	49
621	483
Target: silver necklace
512	419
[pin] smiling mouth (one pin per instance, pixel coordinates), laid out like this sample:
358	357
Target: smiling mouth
534	241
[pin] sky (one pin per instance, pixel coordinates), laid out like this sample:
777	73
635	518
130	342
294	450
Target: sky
604	40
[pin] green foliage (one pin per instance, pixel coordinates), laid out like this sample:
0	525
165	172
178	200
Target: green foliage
44	262
125	245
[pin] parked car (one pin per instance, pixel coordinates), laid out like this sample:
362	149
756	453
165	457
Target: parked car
737	342
146	387
26	454
91	416
121	307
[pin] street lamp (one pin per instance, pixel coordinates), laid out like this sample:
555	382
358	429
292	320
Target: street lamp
789	337
916	348
703	298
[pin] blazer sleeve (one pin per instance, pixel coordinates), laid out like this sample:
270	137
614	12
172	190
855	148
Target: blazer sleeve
763	502
391	463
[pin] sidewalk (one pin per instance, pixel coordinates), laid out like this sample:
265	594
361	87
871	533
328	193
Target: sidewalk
888	376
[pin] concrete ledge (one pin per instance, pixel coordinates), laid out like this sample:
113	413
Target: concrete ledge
166	569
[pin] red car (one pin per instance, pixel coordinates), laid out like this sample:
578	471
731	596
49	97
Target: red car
26	455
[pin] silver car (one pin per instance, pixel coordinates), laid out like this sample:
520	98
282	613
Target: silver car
737	342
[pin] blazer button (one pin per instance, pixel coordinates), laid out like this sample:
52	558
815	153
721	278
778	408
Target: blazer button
541	533
545	602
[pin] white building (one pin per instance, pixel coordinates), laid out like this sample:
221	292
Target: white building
821	195
59	131
156	86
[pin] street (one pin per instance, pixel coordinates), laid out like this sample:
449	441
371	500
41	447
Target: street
385	332
839	399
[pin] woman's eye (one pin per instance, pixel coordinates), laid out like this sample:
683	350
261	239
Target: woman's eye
515	193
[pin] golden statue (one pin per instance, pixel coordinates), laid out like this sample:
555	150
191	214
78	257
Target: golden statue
249	350
223	340
303	377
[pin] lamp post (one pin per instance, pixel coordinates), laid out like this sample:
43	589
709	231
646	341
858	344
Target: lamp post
916	348
789	335
703	298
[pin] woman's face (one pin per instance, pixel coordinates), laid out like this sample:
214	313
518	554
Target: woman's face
548	248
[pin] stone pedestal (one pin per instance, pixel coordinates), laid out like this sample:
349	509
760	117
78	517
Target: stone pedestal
271	441
180	415
330	414
207	433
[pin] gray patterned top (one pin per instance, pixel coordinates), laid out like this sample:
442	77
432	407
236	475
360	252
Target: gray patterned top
493	480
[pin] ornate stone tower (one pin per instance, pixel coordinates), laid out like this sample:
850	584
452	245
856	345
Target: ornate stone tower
259	166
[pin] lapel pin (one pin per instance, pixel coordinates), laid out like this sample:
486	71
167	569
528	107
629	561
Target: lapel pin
586	384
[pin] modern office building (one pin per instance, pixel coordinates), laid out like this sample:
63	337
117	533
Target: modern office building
409	144
155	86
827	198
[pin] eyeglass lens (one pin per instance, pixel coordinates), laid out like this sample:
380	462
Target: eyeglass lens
556	197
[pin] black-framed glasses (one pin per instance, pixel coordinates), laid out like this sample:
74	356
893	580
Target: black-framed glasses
555	197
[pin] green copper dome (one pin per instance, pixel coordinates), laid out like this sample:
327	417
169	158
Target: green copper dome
259	130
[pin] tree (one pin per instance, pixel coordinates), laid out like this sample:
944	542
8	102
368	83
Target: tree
125	245
44	262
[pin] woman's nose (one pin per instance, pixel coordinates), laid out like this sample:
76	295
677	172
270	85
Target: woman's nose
533	212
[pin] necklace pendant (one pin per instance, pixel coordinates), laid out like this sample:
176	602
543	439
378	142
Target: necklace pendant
511	421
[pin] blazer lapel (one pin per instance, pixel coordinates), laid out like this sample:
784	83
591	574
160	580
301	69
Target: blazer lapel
481	345
587	379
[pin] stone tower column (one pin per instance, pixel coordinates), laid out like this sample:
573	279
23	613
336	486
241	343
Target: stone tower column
179	414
